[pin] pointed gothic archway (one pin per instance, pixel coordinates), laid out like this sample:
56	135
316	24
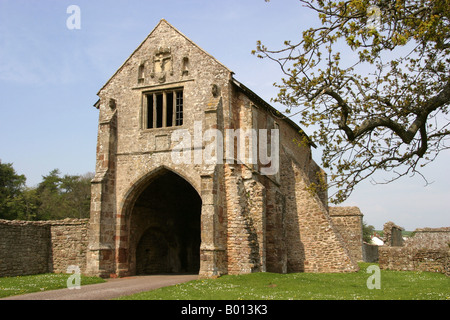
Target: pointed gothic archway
164	226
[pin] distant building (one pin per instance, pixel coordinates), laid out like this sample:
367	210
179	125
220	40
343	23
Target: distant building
377	241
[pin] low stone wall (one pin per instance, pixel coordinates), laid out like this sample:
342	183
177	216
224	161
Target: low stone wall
370	252
427	250
69	242
33	247
434	238
414	259
24	248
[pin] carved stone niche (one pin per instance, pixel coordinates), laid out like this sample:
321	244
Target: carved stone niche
185	66
215	90
162	63
112	104
141	72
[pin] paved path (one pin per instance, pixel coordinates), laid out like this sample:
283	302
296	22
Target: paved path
111	289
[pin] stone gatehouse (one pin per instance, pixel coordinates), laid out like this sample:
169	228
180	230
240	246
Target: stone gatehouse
160	205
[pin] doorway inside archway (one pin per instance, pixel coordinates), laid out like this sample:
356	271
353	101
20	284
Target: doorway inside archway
165	226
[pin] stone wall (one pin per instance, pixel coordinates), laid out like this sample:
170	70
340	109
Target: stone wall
427	250
68	244
348	221
434	238
313	242
24	248
414	259
392	234
34	247
370	252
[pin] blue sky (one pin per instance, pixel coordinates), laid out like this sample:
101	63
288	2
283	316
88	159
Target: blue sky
50	75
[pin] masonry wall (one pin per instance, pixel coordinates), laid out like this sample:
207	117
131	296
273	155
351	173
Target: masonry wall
427	250
392	234
35	247
68	244
434	238
414	259
370	252
24	248
277	222
313	242
348	221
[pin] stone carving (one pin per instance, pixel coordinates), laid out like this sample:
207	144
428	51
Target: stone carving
162	63
112	104
215	90
141	72
185	66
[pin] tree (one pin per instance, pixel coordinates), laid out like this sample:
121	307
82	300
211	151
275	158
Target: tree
374	82
77	194
11	187
49	194
54	198
26	205
50	182
64	197
367	232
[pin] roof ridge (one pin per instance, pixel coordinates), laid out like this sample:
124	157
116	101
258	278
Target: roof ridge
192	42
148	36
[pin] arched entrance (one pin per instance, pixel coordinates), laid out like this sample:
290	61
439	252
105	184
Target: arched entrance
165	226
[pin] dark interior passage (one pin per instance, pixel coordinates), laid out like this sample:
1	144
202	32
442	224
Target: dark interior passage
168	224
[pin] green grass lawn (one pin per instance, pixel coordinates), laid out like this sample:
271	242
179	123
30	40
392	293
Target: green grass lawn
10	286
395	285
406	285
